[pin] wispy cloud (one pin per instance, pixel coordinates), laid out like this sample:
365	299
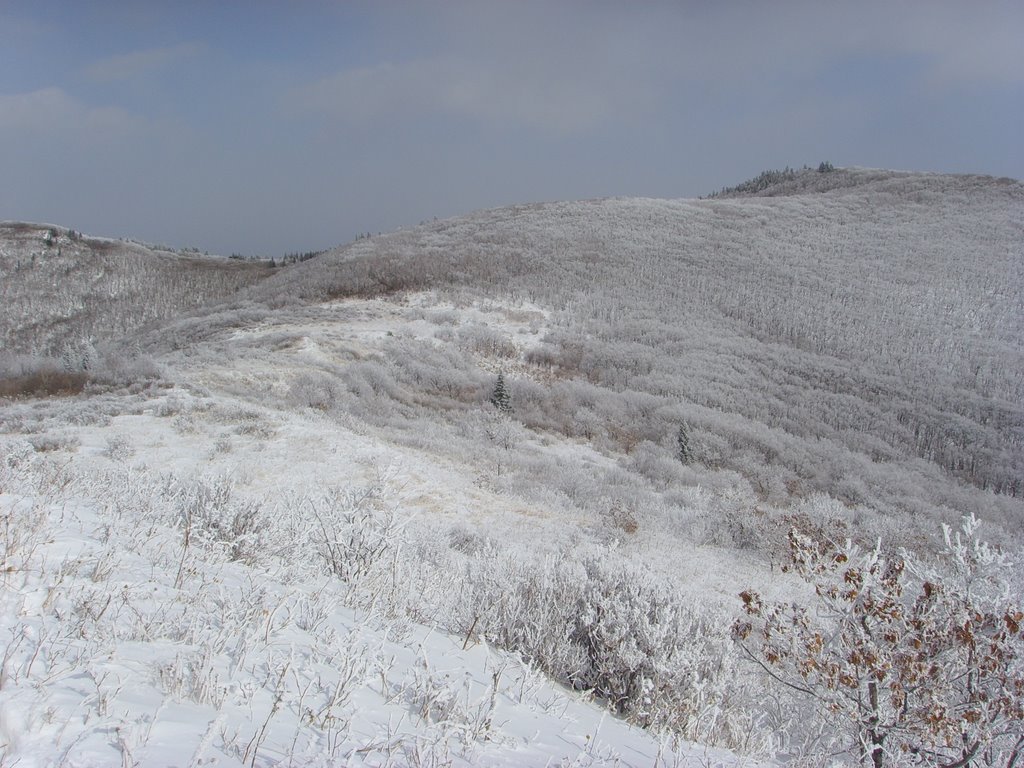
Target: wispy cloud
970	43
570	68
128	66
528	95
52	111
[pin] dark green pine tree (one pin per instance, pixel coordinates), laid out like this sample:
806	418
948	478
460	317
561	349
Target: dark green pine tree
683	452
500	397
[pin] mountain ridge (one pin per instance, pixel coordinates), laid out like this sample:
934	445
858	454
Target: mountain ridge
898	305
690	388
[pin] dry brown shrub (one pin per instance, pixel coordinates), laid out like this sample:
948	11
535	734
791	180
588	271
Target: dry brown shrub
43	384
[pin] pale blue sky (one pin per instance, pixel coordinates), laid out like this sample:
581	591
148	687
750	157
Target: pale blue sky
266	127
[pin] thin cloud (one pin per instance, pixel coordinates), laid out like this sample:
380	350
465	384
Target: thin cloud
966	45
550	101
129	66
53	111
562	71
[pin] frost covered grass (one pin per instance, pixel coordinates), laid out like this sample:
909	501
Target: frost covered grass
160	619
150	619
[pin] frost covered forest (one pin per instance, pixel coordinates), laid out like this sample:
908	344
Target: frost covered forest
59	286
611	482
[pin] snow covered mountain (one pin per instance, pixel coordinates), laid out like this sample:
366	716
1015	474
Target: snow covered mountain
282	521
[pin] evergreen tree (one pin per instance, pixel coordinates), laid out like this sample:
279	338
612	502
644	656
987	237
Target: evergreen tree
500	397
683	452
68	358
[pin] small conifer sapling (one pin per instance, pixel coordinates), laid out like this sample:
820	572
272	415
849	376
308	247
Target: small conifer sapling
500	397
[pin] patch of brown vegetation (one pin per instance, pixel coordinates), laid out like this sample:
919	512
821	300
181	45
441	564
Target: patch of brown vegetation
43	384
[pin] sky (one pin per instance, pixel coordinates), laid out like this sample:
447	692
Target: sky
266	128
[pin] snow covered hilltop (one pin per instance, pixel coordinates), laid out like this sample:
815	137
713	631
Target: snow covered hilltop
263	515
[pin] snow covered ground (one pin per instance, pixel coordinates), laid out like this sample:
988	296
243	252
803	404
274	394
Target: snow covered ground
126	643
139	630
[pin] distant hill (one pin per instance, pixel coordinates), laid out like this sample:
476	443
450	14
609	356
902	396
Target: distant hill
826	178
857	333
878	312
57	285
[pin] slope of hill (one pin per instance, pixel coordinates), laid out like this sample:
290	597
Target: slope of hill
690	382
123	647
826	178
57	285
836	338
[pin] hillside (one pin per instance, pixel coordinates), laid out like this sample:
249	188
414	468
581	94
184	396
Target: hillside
317	466
835	338
59	286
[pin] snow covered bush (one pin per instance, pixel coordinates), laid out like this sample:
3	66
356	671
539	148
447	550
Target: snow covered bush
61	441
908	663
211	516
487	342
598	622
644	650
116	366
358	528
314	390
119	448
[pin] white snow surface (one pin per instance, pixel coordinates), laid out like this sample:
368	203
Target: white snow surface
122	646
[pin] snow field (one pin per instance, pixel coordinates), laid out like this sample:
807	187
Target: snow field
136	631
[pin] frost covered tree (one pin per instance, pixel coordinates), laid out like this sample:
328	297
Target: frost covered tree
683	452
500	397
914	665
79	356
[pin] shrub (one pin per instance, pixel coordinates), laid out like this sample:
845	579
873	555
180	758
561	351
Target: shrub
212	517
911	664
488	342
314	390
358	529
44	382
119	448
599	623
59	442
